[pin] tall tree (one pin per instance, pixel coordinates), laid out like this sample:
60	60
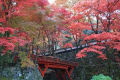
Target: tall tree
101	19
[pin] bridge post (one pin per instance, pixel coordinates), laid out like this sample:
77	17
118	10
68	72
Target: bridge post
69	73
63	75
44	69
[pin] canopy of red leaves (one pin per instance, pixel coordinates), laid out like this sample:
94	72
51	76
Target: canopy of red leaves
8	43
101	17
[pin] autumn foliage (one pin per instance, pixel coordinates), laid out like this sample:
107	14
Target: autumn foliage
8	39
94	23
100	18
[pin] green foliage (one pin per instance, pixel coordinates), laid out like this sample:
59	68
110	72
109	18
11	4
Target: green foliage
117	78
25	61
15	21
6	59
4	78
101	77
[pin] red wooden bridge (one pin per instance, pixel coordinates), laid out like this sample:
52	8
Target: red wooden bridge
61	67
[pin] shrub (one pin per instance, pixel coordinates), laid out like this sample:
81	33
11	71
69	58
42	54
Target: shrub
101	77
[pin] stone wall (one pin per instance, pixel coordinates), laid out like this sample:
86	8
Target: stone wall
16	73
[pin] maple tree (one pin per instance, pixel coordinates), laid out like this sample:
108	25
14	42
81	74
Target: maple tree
100	18
12	38
9	36
39	20
41	24
14	8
